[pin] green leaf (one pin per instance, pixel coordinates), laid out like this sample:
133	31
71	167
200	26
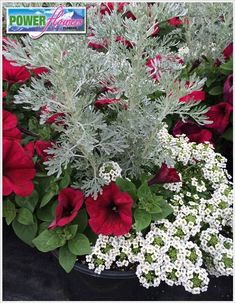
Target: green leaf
33	124
25	216
79	245
210	81
144	191
65	181
166	211
47	212
145	178
81	220
25	232
66	258
49	240
29	202
44	133
216	91
228	66
127	186
9	211
228	134
154	207
142	219
47	198
43	226
70	231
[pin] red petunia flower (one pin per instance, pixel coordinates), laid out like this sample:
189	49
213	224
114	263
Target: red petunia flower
125	42
14	74
70	201
18	170
228	89
193	131
54	118
4	94
228	51
95	45
29	149
10	130
165	175
195	96
40	147
175	21
220	115
102	102
157	65
153	66
38	71
108	7
111	212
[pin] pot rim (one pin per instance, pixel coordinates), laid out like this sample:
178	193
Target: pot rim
106	274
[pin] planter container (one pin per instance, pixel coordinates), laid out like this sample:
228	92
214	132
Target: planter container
82	284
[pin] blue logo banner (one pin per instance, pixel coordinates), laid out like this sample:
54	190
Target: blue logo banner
37	21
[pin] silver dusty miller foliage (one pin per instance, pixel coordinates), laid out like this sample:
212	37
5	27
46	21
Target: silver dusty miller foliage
76	74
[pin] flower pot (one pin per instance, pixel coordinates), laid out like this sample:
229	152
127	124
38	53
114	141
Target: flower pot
84	284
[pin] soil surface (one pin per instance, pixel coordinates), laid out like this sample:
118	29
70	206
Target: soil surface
29	275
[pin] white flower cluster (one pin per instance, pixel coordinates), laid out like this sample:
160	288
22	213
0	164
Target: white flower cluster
220	251
192	244
122	251
174	186
159	256
110	171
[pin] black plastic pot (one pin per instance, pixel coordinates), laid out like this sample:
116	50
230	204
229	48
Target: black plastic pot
82	284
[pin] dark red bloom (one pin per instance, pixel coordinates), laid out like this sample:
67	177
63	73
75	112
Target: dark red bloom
4	94
95	45
111	212
193	131
228	51
18	170
10	130
108	7
175	21
102	102
14	74
228	89
220	115
195	96
165	175
70	201
153	66
29	149
38	71
125	42
54	118
40	147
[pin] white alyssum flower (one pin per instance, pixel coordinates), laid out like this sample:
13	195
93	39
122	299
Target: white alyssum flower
110	171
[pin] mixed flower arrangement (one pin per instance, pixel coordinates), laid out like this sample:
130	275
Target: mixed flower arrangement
113	158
